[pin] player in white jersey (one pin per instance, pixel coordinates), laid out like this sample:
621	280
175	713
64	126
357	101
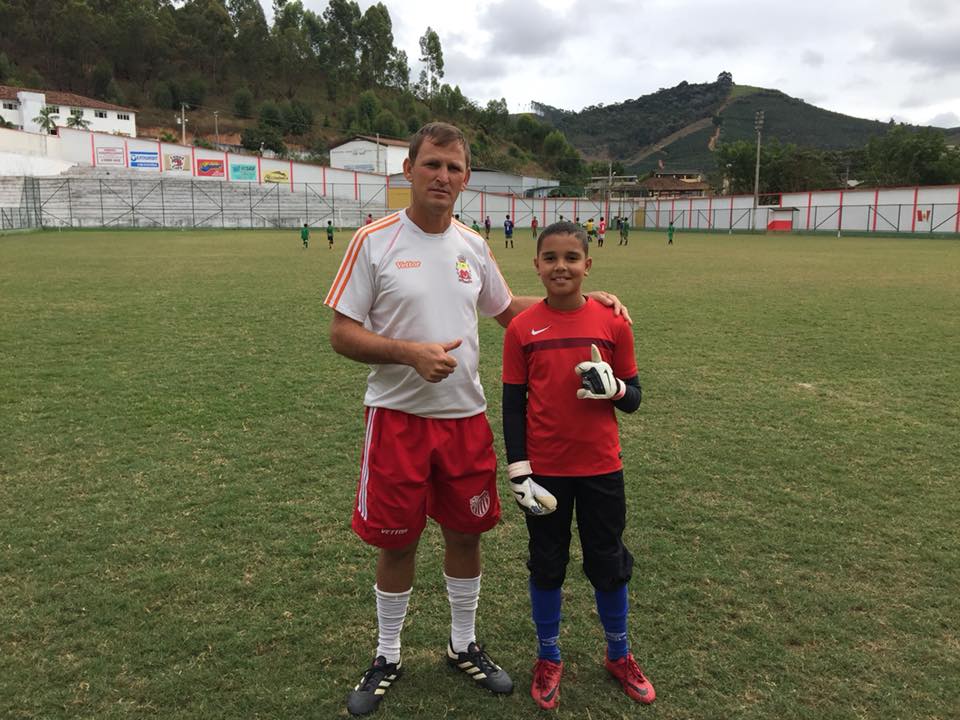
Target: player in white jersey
405	301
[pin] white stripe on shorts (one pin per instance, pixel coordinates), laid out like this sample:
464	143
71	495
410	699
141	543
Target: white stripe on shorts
364	469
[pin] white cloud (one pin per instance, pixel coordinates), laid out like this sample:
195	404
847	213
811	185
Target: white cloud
868	58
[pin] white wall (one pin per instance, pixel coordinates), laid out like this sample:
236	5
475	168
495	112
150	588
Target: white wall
903	209
363	155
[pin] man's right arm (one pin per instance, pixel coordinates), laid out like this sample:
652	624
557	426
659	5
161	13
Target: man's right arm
432	361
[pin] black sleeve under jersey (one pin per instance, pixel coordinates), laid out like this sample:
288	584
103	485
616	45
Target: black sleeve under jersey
631	399
515	421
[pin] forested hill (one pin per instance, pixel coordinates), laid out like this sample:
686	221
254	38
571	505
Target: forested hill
681	125
302	82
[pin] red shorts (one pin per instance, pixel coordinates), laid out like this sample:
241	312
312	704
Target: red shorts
413	467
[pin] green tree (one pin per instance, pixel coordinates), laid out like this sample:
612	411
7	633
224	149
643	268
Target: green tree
77	122
101	78
431	54
368	107
386	123
47	120
6	68
270	115
398	71
496	115
375	31
297	117
906	157
162	96
243	103
207	33
263	137
340	39
252	41
194	91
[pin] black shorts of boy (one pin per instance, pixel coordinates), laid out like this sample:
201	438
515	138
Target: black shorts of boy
601	510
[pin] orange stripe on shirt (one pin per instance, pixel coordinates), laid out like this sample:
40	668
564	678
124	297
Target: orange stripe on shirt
350	259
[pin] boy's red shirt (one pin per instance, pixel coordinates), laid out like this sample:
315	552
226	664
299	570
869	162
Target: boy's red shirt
567	436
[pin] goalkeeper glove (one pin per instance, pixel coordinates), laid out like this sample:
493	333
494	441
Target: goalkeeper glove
532	498
597	379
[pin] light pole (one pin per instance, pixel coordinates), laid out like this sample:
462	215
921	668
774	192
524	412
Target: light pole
758	125
183	123
216	126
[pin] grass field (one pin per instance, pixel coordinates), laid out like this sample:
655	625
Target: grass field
178	454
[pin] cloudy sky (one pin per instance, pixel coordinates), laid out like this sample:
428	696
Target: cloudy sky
873	59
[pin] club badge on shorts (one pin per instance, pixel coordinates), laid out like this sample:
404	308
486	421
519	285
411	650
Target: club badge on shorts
480	504
463	270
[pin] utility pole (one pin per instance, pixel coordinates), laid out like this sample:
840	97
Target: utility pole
183	123
758	125
378	153
216	125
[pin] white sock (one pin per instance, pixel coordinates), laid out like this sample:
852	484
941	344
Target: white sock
391	612
464	595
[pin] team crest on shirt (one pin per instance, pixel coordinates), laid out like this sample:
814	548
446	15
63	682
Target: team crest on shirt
463	270
480	504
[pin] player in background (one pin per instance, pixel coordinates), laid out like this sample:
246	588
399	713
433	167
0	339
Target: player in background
369	219
305	235
568	365
330	234
534	224
591	230
601	232
486	227
624	230
670	233
406	301
475	226
508	233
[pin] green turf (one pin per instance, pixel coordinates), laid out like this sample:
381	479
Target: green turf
178	454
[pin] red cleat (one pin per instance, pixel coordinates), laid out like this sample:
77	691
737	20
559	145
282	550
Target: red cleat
631	677
546	683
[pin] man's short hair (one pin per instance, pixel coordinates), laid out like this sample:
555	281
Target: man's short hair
565	227
439	133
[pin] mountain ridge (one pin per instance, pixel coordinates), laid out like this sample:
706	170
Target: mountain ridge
680	126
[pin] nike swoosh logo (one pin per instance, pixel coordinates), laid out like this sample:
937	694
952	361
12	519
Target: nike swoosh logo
537	332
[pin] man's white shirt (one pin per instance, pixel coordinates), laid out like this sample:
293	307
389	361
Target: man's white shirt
404	283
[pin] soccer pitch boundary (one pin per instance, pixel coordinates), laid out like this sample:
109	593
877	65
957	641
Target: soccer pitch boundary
178	454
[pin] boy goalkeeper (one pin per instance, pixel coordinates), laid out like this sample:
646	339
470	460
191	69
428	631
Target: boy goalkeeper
568	363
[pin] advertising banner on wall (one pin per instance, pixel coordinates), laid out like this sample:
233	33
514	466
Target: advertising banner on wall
243	171
144	159
176	163
210	168
276	176
110	156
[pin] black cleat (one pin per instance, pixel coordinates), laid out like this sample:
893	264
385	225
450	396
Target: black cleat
366	696
478	665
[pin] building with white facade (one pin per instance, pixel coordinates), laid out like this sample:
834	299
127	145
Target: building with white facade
366	153
19	107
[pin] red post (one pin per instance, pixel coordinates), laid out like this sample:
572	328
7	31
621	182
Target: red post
913	222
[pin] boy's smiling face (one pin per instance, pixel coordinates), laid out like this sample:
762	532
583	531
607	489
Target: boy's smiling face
562	263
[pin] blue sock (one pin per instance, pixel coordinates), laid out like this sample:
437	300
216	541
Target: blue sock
612	608
546	616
